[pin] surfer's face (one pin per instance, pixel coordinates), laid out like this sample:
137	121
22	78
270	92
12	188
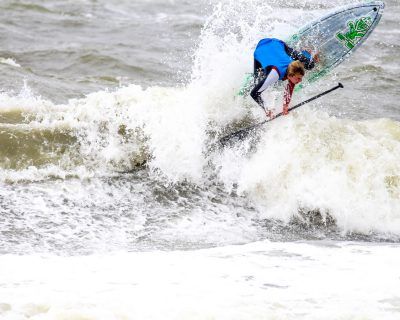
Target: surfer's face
295	79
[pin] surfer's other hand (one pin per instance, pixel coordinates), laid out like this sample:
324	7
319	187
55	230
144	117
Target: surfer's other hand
315	57
285	109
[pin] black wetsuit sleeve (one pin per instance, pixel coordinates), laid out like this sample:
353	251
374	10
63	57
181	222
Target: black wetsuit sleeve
296	55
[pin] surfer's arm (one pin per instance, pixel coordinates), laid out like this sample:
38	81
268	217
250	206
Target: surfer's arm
272	77
262	84
304	57
287	97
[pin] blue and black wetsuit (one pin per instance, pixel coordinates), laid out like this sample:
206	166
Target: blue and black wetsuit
274	55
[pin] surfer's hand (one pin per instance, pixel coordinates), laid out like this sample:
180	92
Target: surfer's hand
270	115
285	109
315	57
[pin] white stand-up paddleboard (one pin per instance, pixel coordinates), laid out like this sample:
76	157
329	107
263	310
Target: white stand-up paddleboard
334	36
337	35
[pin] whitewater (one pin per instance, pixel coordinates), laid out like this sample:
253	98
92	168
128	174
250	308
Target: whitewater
116	201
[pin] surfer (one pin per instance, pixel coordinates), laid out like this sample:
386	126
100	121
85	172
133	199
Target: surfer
274	60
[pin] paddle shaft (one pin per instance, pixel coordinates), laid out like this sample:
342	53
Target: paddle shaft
244	132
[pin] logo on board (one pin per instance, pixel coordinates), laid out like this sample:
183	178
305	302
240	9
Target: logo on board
357	30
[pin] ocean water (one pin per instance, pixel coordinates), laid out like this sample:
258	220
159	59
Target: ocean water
115	202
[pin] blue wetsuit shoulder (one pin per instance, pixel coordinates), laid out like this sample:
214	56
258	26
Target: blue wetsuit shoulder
270	52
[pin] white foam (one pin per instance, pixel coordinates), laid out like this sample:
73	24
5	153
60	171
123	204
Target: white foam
10	62
257	281
348	169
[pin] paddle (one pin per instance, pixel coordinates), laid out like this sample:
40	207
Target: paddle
241	134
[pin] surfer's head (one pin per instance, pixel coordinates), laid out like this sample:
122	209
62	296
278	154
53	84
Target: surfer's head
295	72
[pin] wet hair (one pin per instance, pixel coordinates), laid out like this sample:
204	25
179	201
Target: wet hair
295	67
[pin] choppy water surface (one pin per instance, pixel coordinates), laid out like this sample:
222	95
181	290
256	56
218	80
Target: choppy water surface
115	203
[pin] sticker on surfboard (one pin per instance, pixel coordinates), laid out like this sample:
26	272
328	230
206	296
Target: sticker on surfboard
357	30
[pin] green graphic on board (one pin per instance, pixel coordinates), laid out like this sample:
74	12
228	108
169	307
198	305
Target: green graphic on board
358	29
